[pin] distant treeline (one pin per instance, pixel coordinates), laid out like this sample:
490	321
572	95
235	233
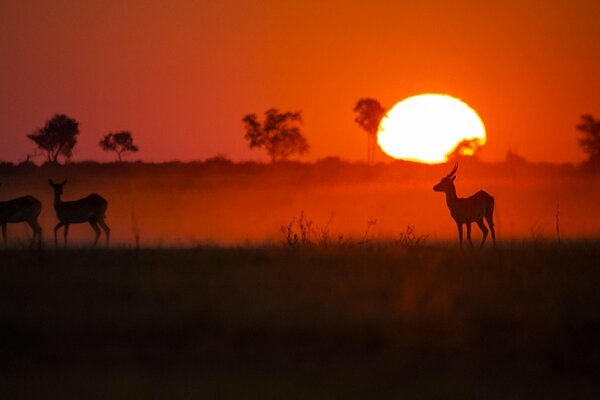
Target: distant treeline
325	170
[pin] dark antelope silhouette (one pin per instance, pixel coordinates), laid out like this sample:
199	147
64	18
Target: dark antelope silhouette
90	209
22	209
475	208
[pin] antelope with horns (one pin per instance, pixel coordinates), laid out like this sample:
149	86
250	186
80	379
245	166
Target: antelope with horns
475	208
22	209
90	209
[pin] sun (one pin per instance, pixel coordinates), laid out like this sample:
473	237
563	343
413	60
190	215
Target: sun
428	127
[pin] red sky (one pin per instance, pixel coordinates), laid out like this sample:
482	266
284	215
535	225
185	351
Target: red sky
181	75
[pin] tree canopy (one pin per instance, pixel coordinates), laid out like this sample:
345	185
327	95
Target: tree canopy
279	134
590	142
369	113
120	143
57	137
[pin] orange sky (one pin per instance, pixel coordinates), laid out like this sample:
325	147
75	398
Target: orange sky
181	75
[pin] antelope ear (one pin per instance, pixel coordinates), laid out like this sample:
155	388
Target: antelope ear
453	178
65	181
50	182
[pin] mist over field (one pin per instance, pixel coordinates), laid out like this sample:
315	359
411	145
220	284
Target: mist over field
223	203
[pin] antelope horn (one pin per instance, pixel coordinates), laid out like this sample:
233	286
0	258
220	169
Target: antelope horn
451	174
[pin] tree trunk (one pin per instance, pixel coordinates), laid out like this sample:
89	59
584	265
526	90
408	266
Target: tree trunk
57	153
370	149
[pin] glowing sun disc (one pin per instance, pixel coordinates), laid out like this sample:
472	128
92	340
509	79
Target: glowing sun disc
427	127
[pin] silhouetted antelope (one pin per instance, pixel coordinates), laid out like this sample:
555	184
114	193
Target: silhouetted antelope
468	210
90	209
22	209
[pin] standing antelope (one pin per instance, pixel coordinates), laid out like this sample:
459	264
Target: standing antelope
22	209
468	210
90	209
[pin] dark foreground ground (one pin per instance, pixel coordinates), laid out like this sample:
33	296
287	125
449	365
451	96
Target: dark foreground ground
274	323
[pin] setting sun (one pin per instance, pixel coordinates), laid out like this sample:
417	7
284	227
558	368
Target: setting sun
427	127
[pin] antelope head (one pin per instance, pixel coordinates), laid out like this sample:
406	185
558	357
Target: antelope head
446	182
57	186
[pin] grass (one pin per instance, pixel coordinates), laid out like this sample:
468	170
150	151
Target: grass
275	322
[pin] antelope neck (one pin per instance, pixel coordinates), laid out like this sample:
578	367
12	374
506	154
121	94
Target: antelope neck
451	197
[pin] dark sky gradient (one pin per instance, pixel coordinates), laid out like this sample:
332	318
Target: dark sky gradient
181	75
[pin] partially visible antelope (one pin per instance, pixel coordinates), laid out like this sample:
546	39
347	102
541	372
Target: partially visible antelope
475	208
90	209
22	209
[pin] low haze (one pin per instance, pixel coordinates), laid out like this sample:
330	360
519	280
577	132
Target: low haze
220	203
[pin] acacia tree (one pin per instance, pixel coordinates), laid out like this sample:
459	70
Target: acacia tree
57	138
369	113
279	134
590	143
465	148
120	143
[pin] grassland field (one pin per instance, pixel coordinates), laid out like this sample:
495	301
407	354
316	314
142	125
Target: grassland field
380	321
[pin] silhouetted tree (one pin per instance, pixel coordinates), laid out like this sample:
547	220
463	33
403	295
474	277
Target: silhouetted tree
465	148
120	143
590	143
369	114
57	138
279	134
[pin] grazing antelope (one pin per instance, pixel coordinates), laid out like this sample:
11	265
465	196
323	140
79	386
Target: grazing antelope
22	209
468	210
90	209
